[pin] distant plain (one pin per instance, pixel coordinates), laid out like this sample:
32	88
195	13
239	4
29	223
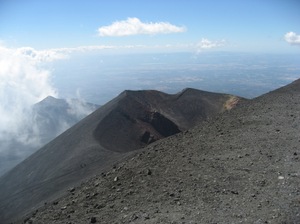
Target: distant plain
98	78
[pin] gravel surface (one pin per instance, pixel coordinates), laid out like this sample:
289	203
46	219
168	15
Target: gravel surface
241	167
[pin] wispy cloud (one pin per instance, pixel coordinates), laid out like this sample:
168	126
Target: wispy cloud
37	56
54	54
133	26
40	56
292	38
204	44
86	48
48	55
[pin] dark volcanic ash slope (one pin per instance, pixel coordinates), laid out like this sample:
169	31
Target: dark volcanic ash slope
242	167
128	122
52	116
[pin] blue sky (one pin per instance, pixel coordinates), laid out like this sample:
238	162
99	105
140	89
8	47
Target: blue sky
231	25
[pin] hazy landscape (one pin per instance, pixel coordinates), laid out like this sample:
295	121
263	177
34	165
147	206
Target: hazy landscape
100	77
149	111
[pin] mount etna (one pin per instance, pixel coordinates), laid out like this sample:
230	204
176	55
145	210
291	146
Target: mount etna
230	166
129	122
240	166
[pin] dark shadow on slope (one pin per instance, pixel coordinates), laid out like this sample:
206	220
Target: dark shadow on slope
120	132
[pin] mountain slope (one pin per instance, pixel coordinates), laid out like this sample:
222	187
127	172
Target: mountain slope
128	122
242	167
54	116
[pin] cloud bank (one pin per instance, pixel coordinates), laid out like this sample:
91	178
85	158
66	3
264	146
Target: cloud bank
292	38
133	26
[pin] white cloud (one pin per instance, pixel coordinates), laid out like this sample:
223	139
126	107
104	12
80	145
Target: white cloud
204	44
133	26
292	38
